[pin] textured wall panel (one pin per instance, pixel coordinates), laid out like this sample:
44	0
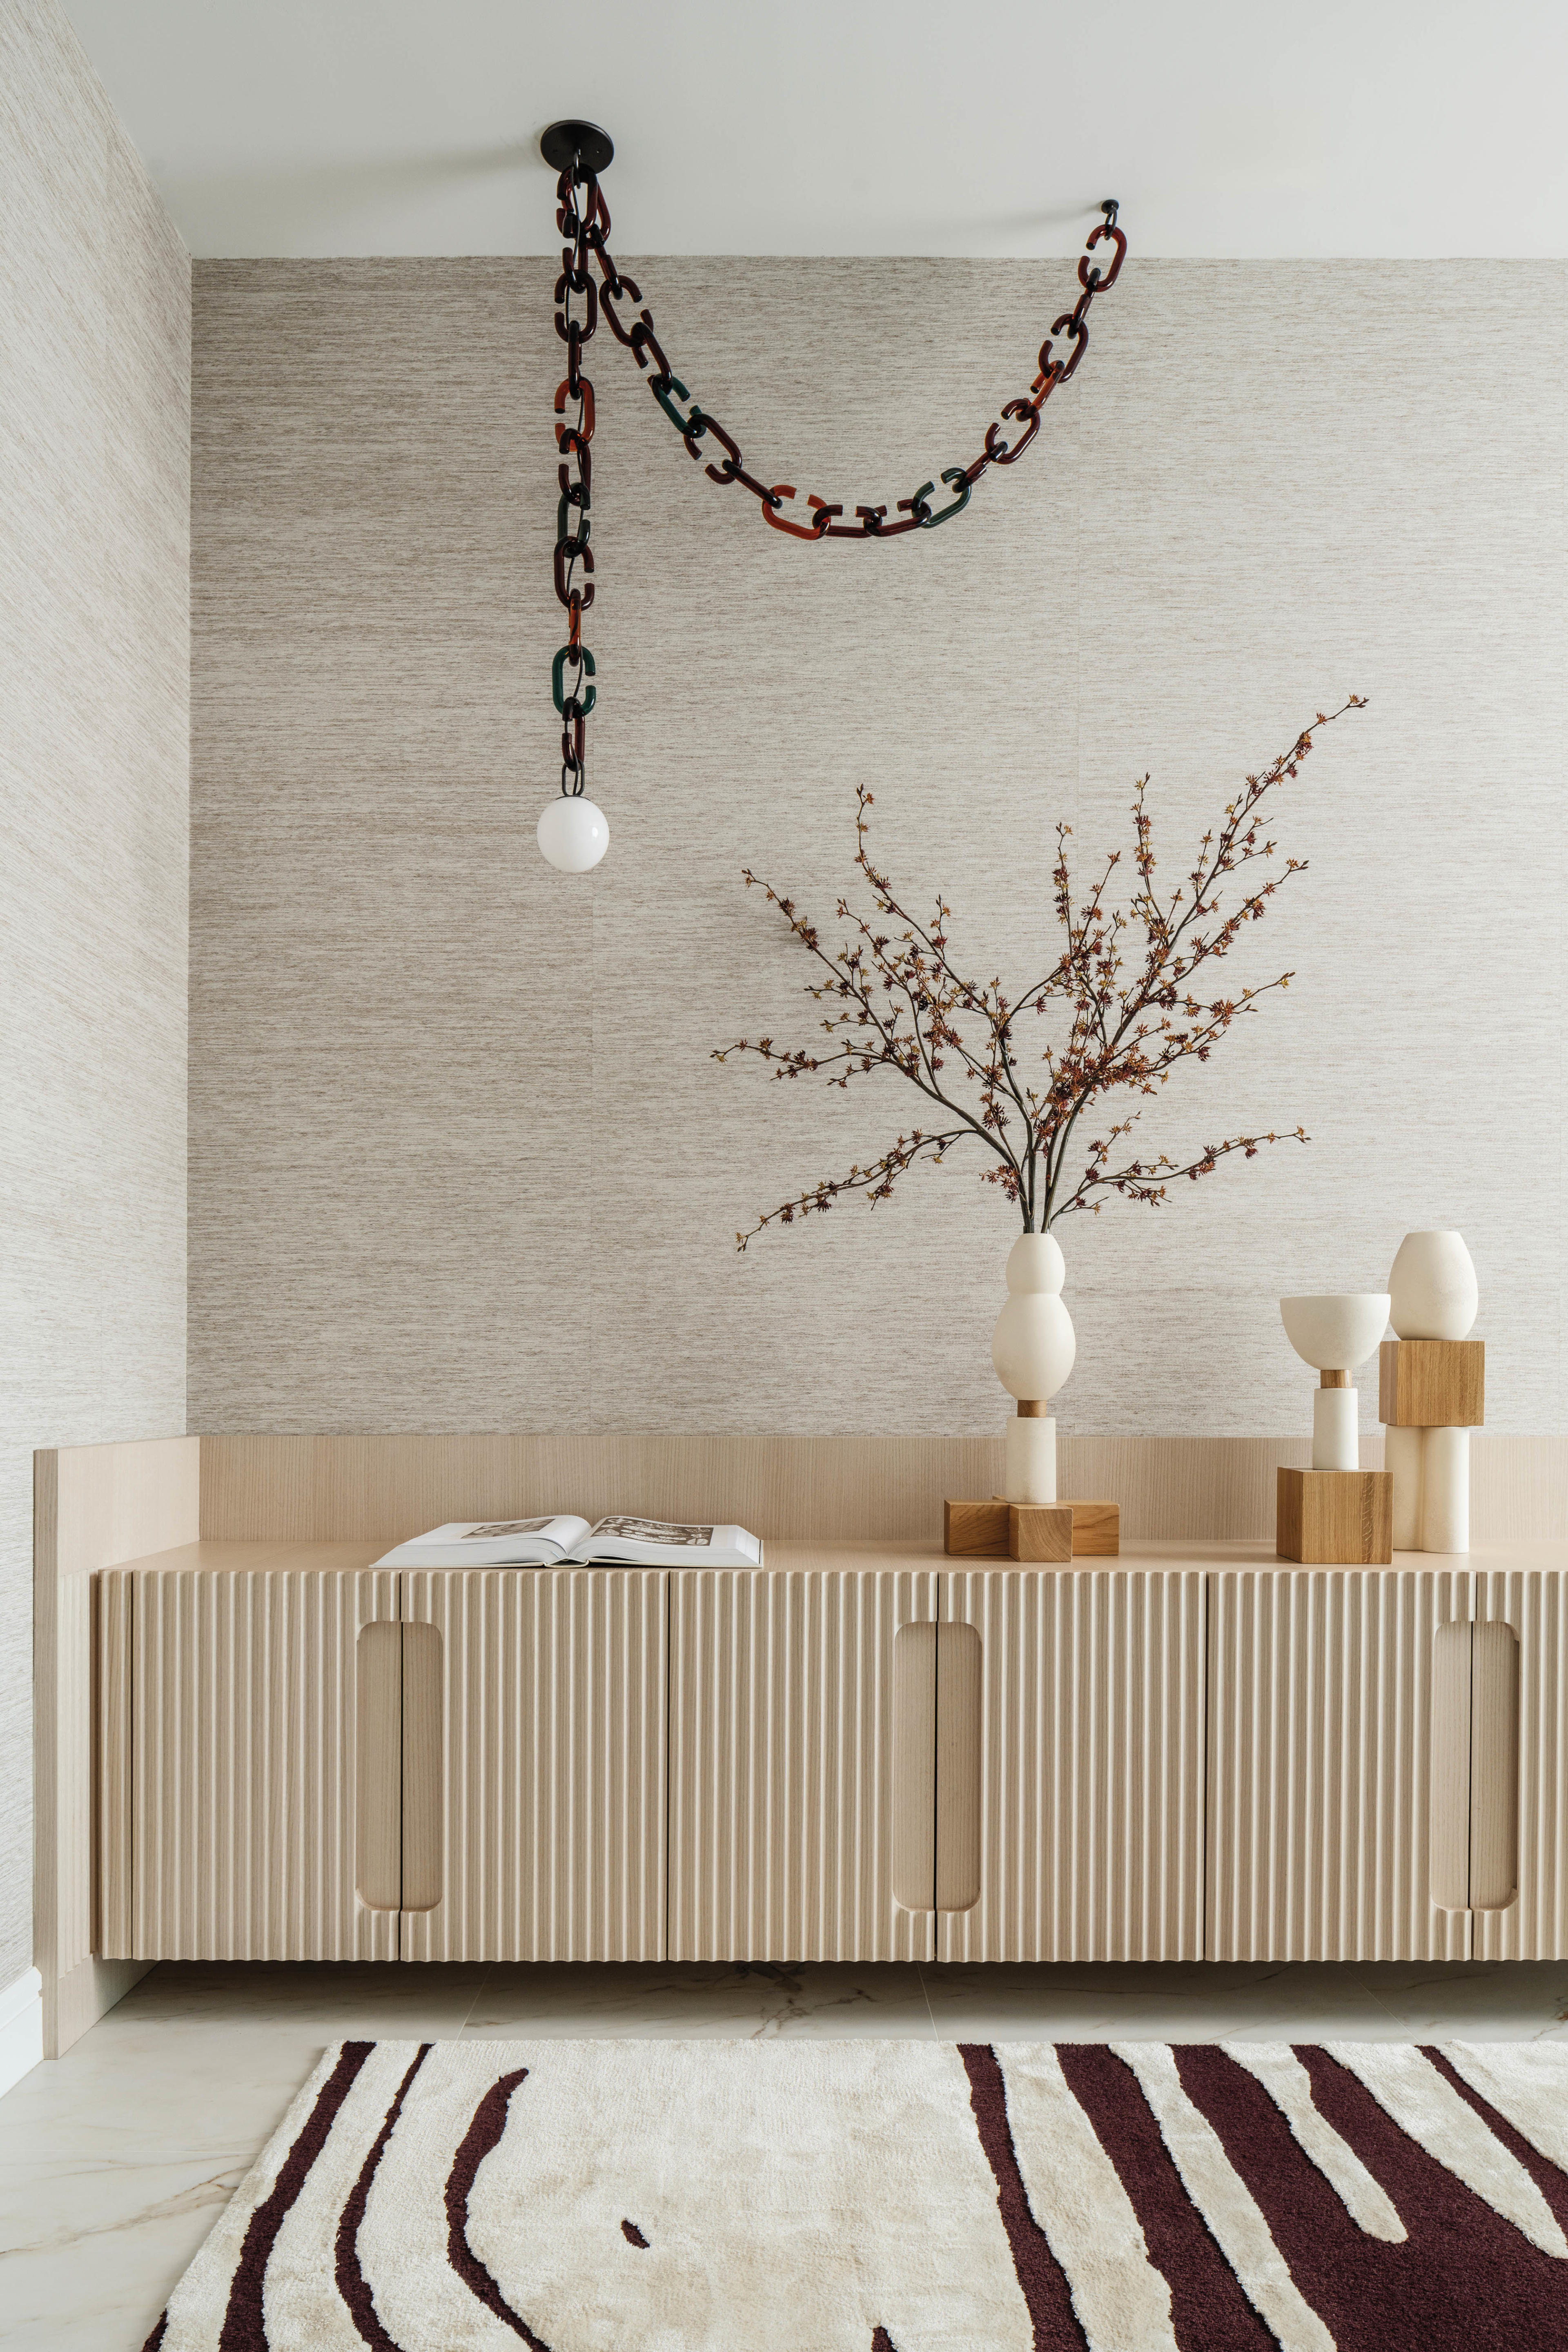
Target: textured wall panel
243	1779
551	1765
94	771
1535	1927
488	1114
783	1805
1092	1766
1320	1764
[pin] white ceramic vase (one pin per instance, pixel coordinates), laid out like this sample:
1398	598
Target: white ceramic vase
1033	1349
1432	1288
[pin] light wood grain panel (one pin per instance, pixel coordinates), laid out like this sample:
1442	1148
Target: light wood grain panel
782	1788
119	1502
1494	1766
378	1765
73	1747
960	1714
551	1765
92	1506
386	1489
113	1855
1535	1605
1093	1768
244	1798
1450	1753
912	1800
381	1490
89	1991
1320	1764
422	1766
824	1555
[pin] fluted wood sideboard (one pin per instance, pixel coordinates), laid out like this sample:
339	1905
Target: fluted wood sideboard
862	1751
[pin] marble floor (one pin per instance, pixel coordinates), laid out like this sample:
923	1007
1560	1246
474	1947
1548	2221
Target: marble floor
115	2159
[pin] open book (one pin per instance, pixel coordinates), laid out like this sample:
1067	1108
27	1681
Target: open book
550	1543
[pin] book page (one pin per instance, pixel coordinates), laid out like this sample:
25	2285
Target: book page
657	1531
664	1543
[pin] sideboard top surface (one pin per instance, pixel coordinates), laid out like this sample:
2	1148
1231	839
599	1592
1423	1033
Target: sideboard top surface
216	1557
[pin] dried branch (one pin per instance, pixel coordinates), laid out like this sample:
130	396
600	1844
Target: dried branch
894	1000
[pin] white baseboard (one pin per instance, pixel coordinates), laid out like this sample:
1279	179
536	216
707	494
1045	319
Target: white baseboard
21	2028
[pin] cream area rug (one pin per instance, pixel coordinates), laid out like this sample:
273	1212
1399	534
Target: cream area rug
899	2196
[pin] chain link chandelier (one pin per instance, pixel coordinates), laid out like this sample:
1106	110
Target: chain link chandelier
573	833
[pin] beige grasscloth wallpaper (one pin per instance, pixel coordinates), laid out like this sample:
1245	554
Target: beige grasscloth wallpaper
94	681
460	1156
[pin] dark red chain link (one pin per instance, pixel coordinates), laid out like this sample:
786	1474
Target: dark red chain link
576	218
696	425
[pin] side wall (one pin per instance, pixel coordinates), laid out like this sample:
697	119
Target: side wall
94	775
460	1159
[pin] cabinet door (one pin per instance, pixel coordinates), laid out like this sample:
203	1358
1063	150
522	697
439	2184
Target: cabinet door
1089	1740
1320	1779
534	1764
801	1764
242	1794
1534	1927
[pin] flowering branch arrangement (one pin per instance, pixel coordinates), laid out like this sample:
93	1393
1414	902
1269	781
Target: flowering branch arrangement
1128	991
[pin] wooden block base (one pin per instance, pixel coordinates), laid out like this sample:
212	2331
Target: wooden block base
1040	1532
1095	1530
975	1530
1342	1519
1432	1383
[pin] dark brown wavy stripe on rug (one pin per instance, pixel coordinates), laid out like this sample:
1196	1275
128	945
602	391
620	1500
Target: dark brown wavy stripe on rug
243	2330
1047	2297
482	2135
353	2284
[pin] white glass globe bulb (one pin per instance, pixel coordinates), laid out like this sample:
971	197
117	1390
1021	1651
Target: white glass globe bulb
573	833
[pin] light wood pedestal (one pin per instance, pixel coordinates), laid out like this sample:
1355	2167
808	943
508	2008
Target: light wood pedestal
861	1751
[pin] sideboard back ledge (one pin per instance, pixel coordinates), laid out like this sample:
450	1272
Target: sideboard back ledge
1105	1761
379	1490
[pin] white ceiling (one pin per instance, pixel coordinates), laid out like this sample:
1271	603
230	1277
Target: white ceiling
1228	127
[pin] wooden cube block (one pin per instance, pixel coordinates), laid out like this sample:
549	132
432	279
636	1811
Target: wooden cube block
1095	1530
1040	1532
1343	1518
1432	1383
975	1530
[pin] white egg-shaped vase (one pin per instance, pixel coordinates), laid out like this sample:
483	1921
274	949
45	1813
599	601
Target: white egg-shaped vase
1432	1288
1033	1348
1034	1343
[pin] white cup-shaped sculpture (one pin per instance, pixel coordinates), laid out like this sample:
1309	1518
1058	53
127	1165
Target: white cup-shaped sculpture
1034	1343
1338	1331
1033	1349
1334	1332
1432	1288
